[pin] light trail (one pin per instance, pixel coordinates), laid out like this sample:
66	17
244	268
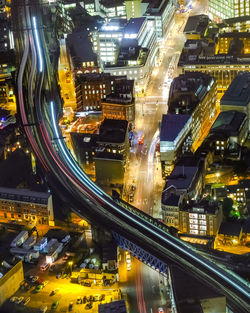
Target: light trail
38	44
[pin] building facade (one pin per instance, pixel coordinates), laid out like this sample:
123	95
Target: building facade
222	9
26	206
203	220
195	94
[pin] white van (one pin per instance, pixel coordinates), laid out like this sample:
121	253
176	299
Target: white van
44	267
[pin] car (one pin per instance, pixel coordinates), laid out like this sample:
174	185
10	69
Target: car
96	298
71	306
26	301
13	299
38	288
34	279
64	276
140	140
91	298
19	300
84	299
43	309
102	297
88	306
58	275
54	305
160	310
52	267
45	283
79	300
87	284
53	292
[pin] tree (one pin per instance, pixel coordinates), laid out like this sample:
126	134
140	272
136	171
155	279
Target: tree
227	206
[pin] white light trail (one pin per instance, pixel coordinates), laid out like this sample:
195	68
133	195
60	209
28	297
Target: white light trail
38	44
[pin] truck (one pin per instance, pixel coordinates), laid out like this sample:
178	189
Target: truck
20	238
40	244
29	243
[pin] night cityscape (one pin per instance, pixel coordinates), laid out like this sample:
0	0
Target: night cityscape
125	156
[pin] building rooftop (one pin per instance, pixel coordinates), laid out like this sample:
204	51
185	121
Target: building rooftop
24	195
181	177
187	90
238	93
238	19
189	291
133	27
228	123
80	48
113	307
170	200
88	77
196	24
114	25
171	125
230	228
113	131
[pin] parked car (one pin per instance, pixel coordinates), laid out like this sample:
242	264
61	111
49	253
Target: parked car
84	300
55	291
26	301
96	298
54	305
102	297
19	300
13	299
79	300
70	306
88	306
52	267
91	298
34	278
43	309
38	288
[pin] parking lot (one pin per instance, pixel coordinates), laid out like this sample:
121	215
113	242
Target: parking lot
63	291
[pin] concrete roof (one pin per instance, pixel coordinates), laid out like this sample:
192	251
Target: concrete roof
238	93
171	126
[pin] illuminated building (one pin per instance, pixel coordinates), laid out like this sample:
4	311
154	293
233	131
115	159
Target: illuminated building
224	68
200	219
137	53
227	40
229	131
120	104
174	139
111	153
106	8
92	89
104	155
170	206
237	96
241	24
239	192
195	94
160	12
135	8
81	56
230	233
106	41
24	205
10	282
223	9
196	27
